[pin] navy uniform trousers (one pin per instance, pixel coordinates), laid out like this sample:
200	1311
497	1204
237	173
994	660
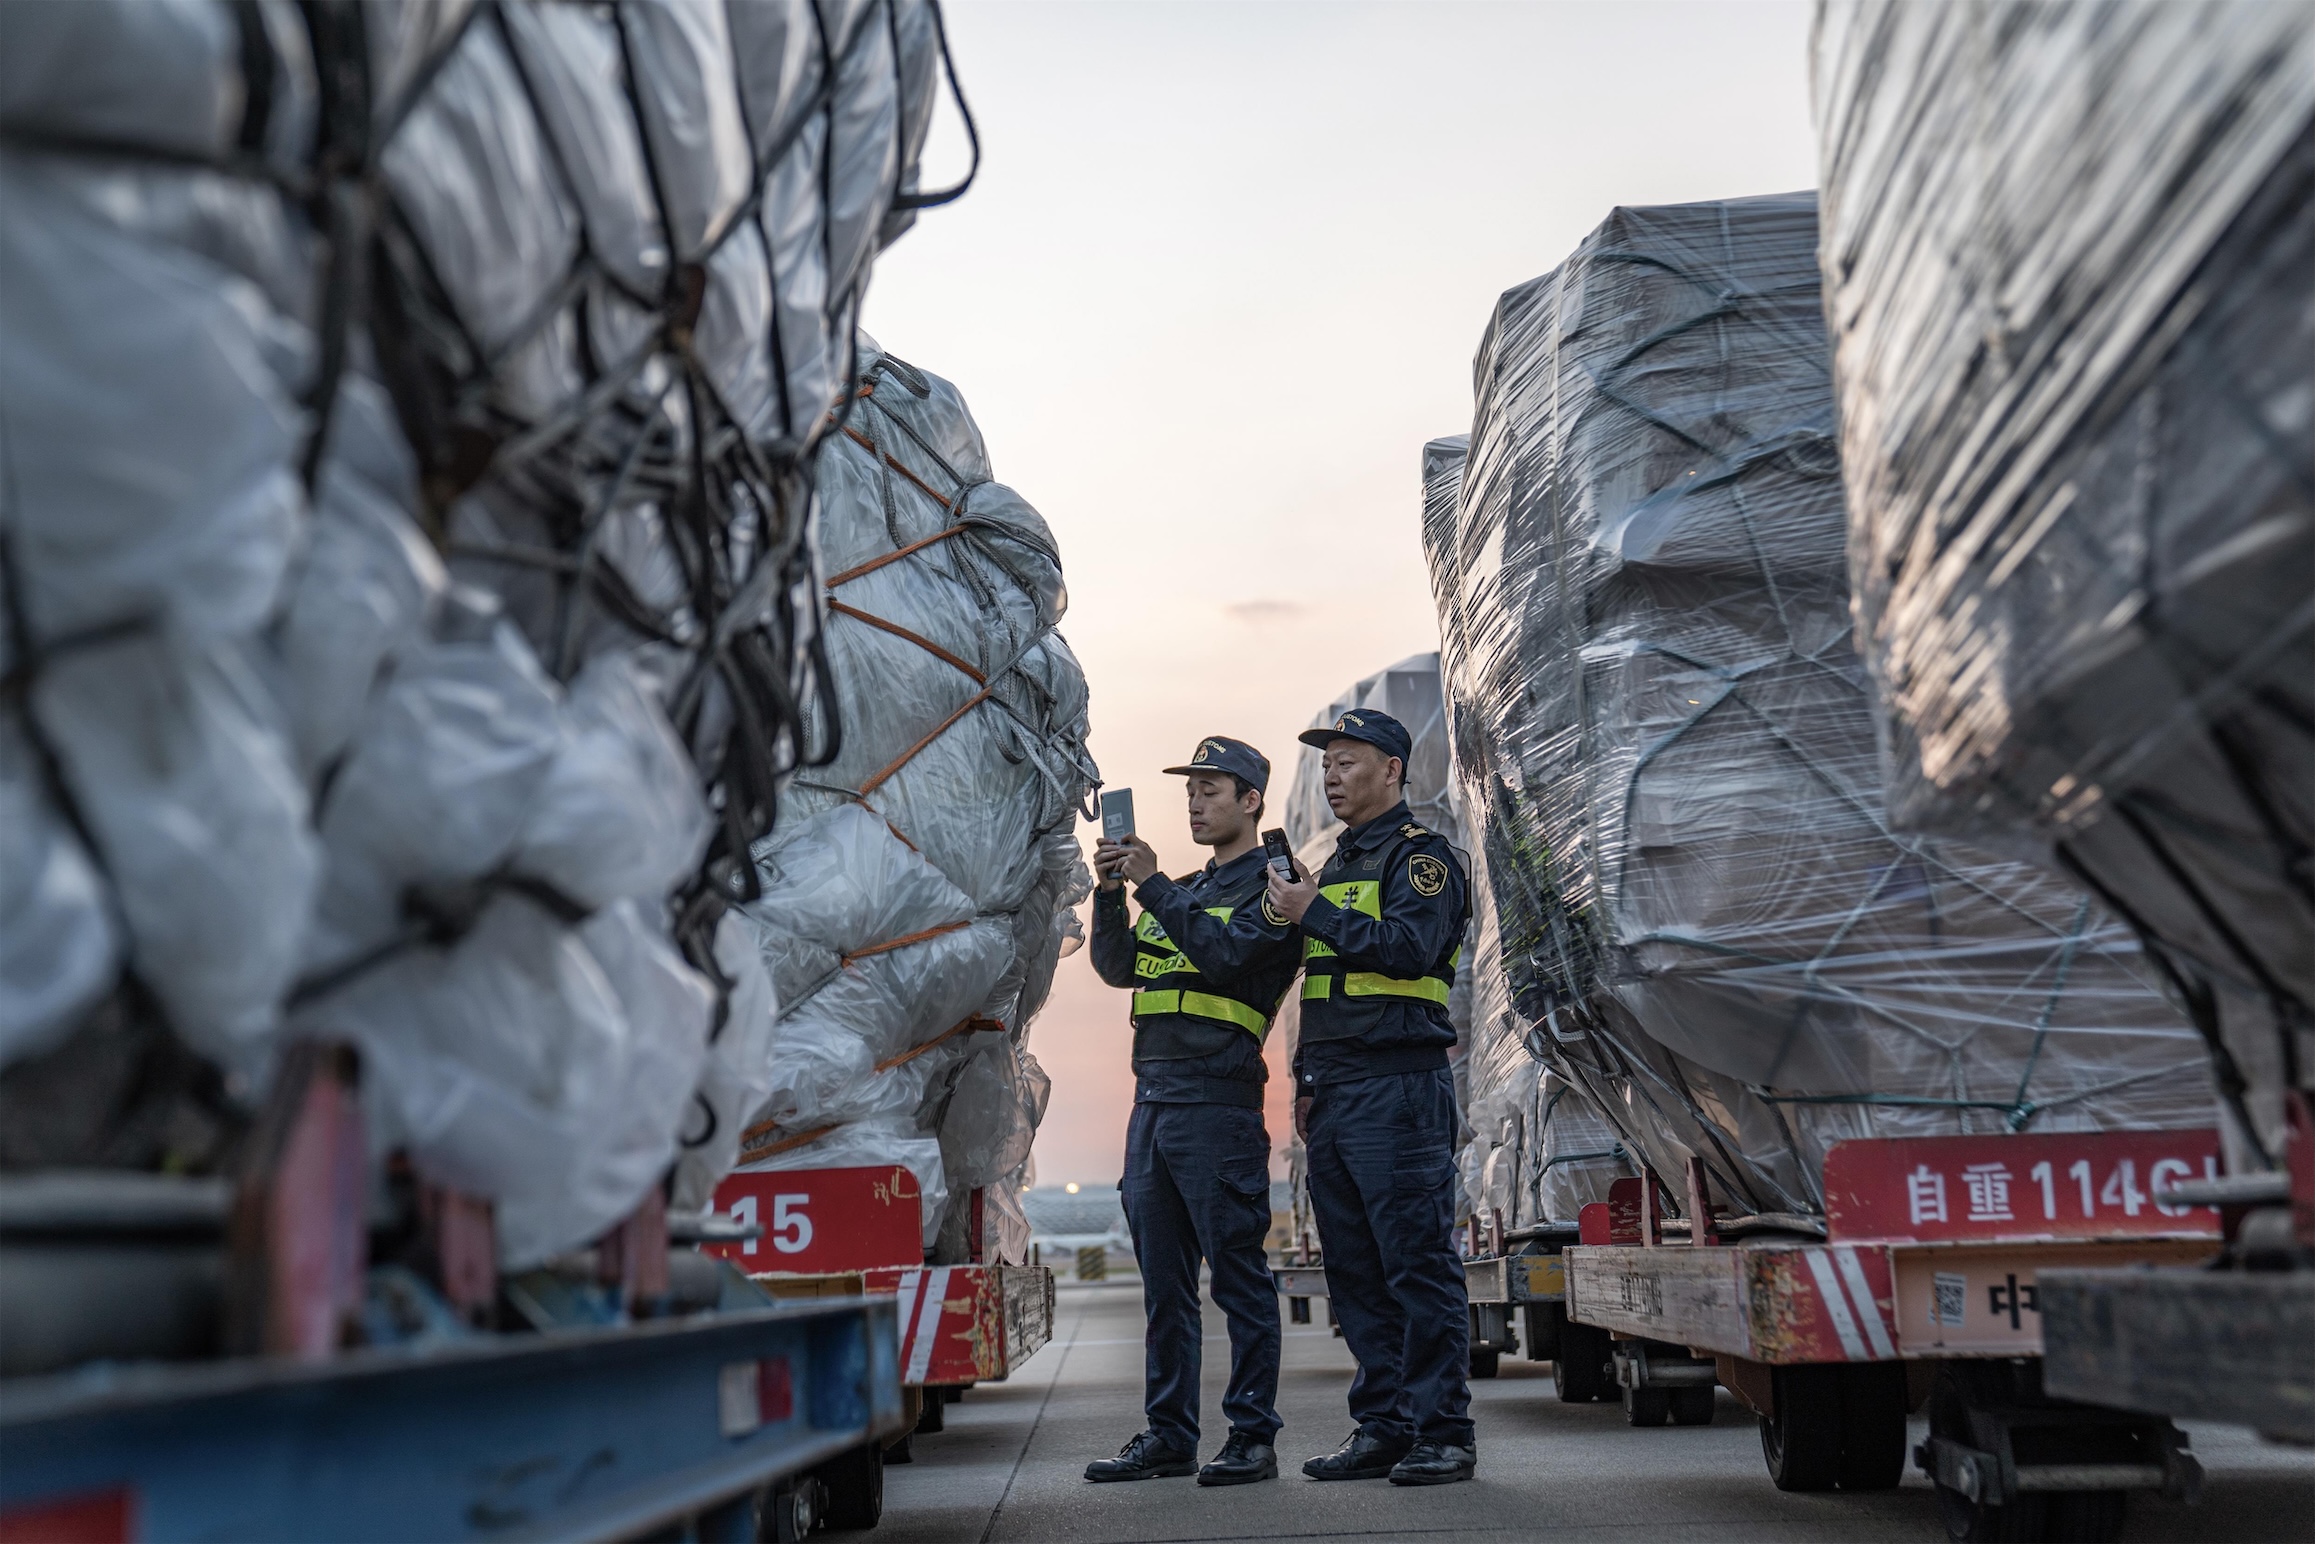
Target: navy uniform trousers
1197	1187
1382	1176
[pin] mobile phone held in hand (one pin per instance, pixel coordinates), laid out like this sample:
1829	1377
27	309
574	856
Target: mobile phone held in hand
1277	854
1116	814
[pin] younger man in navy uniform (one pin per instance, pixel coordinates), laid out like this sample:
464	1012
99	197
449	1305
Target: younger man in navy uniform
1382	929
1209	962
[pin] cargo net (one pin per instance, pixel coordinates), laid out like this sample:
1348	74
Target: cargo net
1705	924
409	617
2083	553
922	886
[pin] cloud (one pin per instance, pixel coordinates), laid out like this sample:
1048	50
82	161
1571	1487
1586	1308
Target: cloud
1264	610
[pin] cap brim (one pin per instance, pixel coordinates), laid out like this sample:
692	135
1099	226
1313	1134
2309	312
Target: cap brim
1320	739
1188	771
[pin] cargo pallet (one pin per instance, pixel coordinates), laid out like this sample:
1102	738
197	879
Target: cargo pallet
697	1425
1922	1284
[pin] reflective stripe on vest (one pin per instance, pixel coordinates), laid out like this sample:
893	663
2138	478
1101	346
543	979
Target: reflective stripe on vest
1158	958
1204	1005
1363	895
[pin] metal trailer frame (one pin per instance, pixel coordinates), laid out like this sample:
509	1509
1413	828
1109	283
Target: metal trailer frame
577	1434
1832	1341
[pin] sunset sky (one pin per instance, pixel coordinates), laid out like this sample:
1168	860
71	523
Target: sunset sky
1221	277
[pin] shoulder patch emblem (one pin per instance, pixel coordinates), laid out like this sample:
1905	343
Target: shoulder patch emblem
1427	874
1270	912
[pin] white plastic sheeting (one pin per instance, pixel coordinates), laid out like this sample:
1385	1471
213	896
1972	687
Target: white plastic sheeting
271	752
1705	921
920	888
2067	254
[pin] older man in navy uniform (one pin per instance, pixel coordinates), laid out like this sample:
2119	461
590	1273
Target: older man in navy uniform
1209	962
1382	929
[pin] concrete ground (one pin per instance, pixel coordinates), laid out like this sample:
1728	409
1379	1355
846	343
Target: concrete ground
1010	1465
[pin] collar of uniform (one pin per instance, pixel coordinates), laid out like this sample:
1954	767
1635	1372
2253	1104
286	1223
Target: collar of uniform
1376	831
1236	868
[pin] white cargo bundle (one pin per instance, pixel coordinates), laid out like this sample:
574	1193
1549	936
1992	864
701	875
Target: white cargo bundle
571	315
920	888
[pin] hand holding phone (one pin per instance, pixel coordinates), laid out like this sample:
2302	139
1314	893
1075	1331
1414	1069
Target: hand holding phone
1277	854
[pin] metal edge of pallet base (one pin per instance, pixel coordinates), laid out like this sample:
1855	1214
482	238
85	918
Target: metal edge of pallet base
1512	1280
577	1434
2202	1345
1300	1280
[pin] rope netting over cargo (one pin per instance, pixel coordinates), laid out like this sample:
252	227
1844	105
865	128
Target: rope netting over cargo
1706	923
2075	346
408	426
921	887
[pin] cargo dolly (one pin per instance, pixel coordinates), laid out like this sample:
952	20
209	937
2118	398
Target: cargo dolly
841	1234
1921	1283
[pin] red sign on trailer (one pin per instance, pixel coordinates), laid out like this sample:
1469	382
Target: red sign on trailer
2068	1184
817	1221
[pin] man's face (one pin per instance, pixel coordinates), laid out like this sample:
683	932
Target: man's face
1218	816
1361	782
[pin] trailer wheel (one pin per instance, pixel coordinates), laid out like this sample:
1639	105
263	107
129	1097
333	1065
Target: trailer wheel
791	1511
1580	1370
1485	1364
1692	1406
935	1414
854	1483
1873	1401
1976	1522
1801	1443
1647	1407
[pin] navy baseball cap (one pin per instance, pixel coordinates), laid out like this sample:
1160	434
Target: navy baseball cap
1219	753
1379	730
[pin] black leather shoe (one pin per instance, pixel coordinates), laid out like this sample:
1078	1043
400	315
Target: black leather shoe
1242	1461
1146	1457
1435	1463
1361	1458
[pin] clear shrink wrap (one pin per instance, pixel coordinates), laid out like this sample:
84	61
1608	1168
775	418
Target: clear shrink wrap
921	886
408	420
1706	922
2067	255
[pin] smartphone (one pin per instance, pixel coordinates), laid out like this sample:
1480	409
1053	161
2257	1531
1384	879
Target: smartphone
1277	854
1116	814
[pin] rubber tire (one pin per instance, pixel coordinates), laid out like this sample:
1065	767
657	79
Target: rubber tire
1647	1407
1693	1406
1485	1364
853	1486
1580	1371
903	1451
2023	1521
1873	1400
935	1415
1801	1443
2087	1516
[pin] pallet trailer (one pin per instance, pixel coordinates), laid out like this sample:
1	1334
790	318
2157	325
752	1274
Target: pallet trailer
841	1234
1921	1284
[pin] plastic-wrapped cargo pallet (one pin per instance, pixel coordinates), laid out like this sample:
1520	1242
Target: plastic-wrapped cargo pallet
302	302
920	889
1656	704
2068	255
1540	1149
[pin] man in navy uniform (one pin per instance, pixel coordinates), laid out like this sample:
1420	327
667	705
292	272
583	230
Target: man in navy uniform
1382	929
1209	962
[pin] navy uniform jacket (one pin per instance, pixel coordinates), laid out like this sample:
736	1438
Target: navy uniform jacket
1423	895
1177	1058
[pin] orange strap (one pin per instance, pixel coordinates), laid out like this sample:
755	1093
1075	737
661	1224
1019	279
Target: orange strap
975	1022
865	442
876	782
751	1149
873	564
898	631
904	940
